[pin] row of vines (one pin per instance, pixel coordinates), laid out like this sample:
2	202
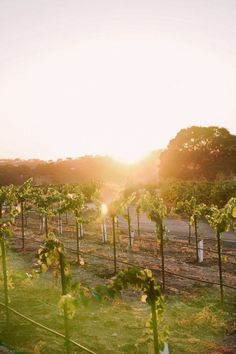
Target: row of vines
69	200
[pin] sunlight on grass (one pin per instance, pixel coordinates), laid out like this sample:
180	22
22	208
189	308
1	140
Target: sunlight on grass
196	321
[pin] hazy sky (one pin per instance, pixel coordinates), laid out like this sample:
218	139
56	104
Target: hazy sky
116	77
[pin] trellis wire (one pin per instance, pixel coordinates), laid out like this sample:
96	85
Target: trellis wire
46	328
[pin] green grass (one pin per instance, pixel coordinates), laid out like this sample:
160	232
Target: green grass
196	321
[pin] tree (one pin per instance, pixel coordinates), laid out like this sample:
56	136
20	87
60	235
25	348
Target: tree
200	153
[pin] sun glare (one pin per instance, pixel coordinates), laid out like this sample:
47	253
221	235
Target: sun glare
130	156
104	209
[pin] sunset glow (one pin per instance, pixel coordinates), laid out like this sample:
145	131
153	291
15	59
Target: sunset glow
114	79
117	176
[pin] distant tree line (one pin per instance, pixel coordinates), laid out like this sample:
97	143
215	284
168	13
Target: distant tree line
195	154
200	153
80	170
217	192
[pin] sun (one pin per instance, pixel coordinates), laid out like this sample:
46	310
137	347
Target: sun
129	157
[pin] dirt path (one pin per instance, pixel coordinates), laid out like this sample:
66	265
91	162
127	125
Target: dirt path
4	350
178	227
180	258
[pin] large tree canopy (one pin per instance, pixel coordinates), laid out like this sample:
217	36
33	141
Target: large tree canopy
200	153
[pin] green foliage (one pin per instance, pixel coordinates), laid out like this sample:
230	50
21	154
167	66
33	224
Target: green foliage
46	199
154	206
199	153
48	253
125	203
114	208
217	193
177	191
10	283
144	281
5	230
218	219
71	305
7	195
230	209
91	191
5	233
74	202
221	192
6	223
186	207
24	192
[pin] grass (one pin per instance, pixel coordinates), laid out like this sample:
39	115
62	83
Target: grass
196	321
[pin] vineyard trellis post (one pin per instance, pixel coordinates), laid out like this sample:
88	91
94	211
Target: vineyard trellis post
22	224
65	306
162	255
46	224
124	205
151	294
138	220
77	241
189	230
52	253
196	237
219	220
220	266
154	206
154	322
129	226
5	280
59	222
114	241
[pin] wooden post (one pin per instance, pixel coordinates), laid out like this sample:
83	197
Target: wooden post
117	224
162	257
157	234
104	231
25	216
46	225
129	226
59	224
22	224
138	220
196	237
154	326
114	241
65	309
42	224
220	266
4	270
77	242
189	230
81	230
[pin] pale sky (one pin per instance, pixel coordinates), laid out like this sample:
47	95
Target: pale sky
112	77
